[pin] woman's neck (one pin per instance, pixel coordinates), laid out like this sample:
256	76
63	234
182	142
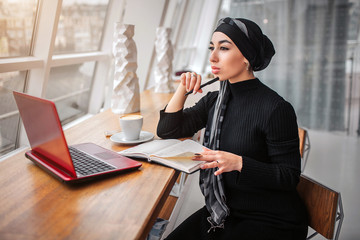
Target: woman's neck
243	77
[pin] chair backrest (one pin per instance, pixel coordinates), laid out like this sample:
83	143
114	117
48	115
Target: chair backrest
321	203
302	137
304	147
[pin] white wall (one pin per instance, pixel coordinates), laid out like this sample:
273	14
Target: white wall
146	16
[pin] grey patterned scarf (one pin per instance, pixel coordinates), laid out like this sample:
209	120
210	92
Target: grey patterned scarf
212	186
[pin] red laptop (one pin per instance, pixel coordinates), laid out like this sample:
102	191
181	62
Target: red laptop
50	151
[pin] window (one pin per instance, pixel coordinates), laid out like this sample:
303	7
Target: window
80	30
186	47
80	26
17	20
316	44
9	117
17	24
75	47
69	87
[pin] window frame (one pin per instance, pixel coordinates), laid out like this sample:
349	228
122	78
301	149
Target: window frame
41	58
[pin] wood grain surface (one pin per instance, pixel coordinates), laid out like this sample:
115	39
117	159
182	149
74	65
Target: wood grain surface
34	205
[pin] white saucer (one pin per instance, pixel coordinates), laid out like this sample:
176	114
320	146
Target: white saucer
120	138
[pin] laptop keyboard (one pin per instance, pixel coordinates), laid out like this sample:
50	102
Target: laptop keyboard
86	164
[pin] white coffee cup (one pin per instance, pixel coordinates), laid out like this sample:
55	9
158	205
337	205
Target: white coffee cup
131	126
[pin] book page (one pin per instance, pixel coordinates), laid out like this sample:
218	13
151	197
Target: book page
151	147
170	152
181	147
182	161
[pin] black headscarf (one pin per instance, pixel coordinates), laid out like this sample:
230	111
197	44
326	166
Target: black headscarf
248	37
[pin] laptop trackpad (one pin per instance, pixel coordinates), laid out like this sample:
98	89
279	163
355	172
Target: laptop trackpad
106	155
96	150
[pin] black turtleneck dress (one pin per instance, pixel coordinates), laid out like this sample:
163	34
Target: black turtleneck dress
260	126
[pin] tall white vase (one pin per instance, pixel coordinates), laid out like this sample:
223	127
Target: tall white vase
126	91
164	58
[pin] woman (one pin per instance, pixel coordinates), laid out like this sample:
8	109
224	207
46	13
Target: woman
252	145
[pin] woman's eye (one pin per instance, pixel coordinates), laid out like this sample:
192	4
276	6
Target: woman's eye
211	48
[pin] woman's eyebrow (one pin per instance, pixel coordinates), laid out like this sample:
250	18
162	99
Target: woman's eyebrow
221	41
224	41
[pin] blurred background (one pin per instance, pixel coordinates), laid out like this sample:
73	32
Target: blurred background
62	50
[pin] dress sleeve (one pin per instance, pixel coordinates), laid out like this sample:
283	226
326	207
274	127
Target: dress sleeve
282	170
185	122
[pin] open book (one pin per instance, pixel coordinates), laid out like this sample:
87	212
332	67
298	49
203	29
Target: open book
173	153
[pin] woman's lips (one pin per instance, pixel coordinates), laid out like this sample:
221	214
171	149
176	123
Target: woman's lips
215	70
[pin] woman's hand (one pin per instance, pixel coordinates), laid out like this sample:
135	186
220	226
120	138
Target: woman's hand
191	81
225	161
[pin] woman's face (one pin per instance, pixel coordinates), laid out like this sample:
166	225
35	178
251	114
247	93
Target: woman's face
227	62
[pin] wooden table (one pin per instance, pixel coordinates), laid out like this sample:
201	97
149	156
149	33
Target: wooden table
34	205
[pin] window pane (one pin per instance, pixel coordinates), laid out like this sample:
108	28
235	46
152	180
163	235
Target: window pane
186	48
312	40
80	26
9	117
17	19
69	87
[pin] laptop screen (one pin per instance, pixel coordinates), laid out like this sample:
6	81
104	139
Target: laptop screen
44	130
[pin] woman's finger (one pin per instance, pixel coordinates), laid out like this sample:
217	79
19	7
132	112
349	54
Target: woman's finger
183	79
197	84
188	79
207	155
193	79
207	158
212	164
209	152
218	172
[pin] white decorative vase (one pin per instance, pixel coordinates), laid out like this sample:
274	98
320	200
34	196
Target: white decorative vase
126	91
164	57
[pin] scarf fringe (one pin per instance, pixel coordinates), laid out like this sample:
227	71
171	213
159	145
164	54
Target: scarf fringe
214	226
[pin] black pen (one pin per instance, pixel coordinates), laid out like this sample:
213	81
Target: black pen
203	85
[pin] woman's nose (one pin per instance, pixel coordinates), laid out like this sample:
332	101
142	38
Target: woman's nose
213	56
